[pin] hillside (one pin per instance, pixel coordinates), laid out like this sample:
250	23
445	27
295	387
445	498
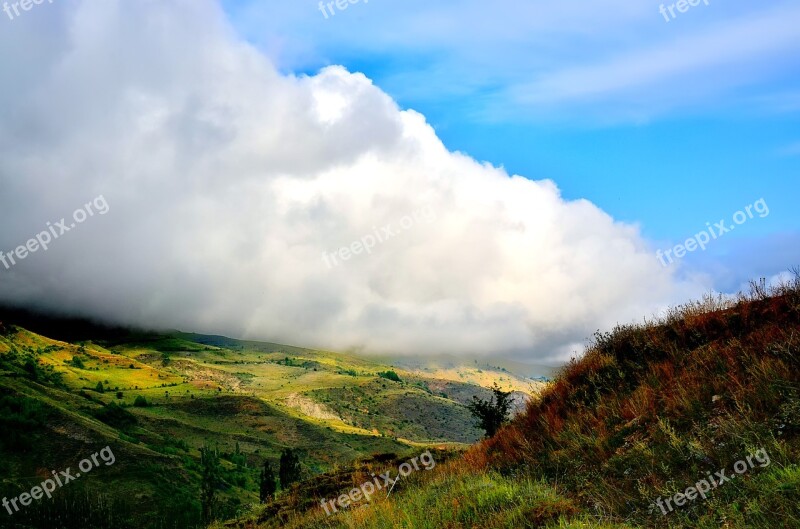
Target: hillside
61	400
692	421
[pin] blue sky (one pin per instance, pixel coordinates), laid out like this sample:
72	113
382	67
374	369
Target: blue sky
665	124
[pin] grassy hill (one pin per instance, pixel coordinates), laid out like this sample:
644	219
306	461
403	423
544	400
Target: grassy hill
69	395
708	397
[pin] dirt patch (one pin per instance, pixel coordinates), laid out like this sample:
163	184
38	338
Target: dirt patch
310	407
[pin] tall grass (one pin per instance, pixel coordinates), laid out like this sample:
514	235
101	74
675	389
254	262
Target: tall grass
648	411
652	408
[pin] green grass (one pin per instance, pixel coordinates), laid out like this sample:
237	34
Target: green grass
454	498
200	390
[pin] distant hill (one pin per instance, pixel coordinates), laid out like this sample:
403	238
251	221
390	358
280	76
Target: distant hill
68	387
514	375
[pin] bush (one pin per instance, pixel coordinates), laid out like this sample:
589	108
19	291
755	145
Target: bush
129	438
116	416
32	368
390	375
140	402
20	417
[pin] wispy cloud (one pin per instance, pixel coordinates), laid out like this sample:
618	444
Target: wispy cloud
790	150
689	70
606	60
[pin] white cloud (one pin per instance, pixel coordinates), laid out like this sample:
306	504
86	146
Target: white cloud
227	182
689	69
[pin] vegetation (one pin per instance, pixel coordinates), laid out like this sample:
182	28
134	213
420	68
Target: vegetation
209	460
243	398
390	375
20	420
267	484
652	408
647	412
115	415
289	471
492	413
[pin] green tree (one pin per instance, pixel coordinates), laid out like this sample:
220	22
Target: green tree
116	416
140	402
268	485
32	369
209	461
389	375
492	413
99	388
289	470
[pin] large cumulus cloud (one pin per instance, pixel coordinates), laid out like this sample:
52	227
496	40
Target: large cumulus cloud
228	182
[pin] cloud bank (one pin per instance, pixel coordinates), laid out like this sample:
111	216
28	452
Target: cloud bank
228	182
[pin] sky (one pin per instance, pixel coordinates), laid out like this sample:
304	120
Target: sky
415	177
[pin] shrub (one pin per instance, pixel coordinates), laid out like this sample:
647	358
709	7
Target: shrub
20	417
390	375
116	416
32	368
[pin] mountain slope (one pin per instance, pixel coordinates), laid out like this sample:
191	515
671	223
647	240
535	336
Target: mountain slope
250	400
651	413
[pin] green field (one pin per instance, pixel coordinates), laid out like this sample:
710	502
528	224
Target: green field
248	400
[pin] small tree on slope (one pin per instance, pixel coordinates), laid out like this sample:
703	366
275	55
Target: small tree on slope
268	485
492	413
289	470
